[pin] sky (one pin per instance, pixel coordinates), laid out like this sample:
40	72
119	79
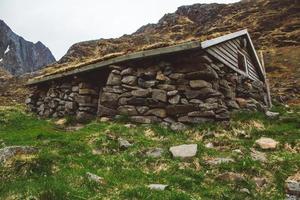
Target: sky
60	23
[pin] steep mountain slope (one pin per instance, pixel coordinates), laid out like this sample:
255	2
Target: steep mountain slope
272	24
19	56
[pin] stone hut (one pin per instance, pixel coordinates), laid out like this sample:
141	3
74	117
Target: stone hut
192	82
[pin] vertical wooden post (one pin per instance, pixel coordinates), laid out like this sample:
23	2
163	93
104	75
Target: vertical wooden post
266	79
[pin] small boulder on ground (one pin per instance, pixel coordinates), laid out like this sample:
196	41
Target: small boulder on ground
258	156
12	151
157	186
155	153
178	126
292	185
272	114
95	178
123	144
218	161
184	151
266	143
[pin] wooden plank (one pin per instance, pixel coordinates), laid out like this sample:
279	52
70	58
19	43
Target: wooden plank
221	54
212	42
227	54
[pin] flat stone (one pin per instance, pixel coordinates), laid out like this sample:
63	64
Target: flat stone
109	99
180	109
201	114
178	126
157	186
127	110
145	119
172	93
161	77
258	156
142	109
7	153
129	80
146	84
176	76
232	104
160	95
207	74
266	143
184	151
272	114
174	100
159	112
208	106
104	111
196	101
194	120
141	93
242	102
87	91
292	185
199	84
127	71
209	145
113	79
155	153
95	178
218	161
166	87
123	144
259	181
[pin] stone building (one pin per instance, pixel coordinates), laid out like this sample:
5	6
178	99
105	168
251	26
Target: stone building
192	82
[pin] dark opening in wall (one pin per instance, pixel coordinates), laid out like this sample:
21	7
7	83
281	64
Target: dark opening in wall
242	62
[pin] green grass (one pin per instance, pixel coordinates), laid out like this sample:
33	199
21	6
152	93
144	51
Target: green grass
58	171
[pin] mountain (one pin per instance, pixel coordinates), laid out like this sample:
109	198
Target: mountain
274	26
19	56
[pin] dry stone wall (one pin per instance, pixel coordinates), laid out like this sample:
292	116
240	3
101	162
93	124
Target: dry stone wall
70	98
191	89
188	87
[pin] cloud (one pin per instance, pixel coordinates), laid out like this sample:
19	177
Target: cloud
61	23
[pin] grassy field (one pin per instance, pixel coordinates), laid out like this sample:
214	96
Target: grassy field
59	170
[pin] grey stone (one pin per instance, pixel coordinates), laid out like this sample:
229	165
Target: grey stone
123	144
7	153
127	110
207	74
272	114
109	99
142	109
199	84
196	101
258	156
146	84
178	126
83	117
95	178
129	80
159	112
169	120
180	109
209	113
259	181
75	88
218	161
155	153
184	101
128	71
194	120
88	92
232	104
160	95
209	106
141	93
176	76
113	79
172	93
113	89
166	87
145	119
157	186
184	151
292	185
175	99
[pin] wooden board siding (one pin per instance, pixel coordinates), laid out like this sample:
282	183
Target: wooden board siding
227	53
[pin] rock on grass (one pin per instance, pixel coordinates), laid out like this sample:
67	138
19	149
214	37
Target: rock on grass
184	151
9	152
157	186
95	178
266	143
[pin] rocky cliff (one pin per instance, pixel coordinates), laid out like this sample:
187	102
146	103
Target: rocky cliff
19	56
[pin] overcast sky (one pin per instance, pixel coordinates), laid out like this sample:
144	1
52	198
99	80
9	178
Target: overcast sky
61	23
